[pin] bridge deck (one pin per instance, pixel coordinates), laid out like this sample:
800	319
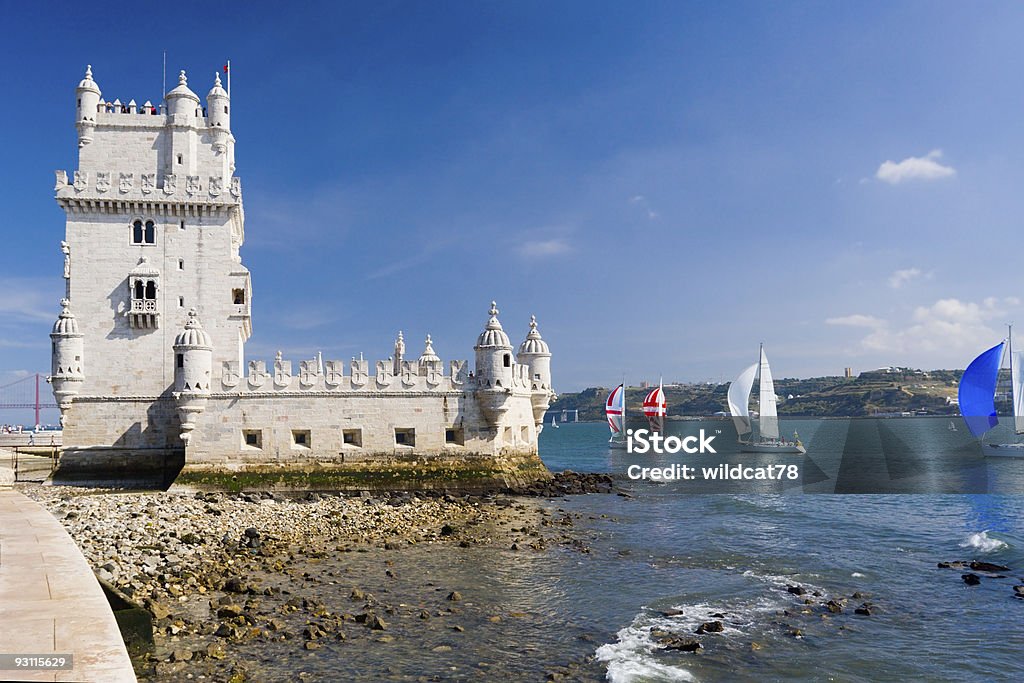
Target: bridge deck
50	602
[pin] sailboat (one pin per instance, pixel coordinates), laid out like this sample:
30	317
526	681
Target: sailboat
615	410
655	408
768	440
554	425
977	396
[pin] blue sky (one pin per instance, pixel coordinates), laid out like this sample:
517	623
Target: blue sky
665	185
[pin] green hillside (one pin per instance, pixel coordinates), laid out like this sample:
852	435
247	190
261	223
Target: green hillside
870	393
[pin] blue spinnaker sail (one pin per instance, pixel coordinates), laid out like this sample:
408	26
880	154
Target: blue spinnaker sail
978	389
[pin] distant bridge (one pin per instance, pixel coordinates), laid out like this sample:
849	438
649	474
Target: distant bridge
24	394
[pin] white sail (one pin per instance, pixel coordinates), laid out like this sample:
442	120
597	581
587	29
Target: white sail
769	416
739	397
1018	391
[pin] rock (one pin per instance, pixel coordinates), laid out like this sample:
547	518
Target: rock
458	628
674	642
795	633
441	648
357	595
156	609
226	631
833	607
447	530
971	579
376	623
1018	591
424	614
795	590
229	611
181	655
311	645
671	612
987	567
236	585
710	627
864	610
455	596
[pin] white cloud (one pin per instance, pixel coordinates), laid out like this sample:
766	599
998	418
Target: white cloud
902	277
914	168
541	248
948	325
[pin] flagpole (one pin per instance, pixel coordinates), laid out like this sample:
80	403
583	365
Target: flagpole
229	79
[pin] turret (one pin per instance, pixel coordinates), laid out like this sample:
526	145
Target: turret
429	360
218	108
535	354
493	369
88	95
66	366
193	366
182	102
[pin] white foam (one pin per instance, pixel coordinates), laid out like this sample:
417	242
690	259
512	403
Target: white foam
629	658
857	575
982	543
633	656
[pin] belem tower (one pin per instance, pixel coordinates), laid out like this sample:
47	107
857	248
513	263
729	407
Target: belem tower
149	368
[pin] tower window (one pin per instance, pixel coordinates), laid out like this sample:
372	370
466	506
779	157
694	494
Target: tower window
352	437
182	226
225	109
301	438
180	360
151	289
252	438
508	360
179	158
139	289
238	296
405	436
181	302
454	436
181	264
143	233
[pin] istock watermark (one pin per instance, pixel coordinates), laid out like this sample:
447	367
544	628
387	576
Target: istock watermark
642	441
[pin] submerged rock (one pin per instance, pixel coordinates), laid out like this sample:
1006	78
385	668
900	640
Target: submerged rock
971	579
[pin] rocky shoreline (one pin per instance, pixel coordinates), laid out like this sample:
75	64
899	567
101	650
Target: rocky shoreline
237	581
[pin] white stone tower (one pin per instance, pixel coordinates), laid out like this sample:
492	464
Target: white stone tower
154	227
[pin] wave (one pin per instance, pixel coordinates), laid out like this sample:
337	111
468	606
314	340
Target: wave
983	543
634	654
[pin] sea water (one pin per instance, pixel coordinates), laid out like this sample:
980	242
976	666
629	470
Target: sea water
667	559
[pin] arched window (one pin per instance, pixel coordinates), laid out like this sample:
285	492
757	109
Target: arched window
508	360
151	290
150	237
137	232
138	289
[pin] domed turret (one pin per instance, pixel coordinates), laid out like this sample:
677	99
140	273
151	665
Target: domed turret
66	365
218	108
88	95
428	359
493	369
535	354
494	354
428	355
193	365
182	101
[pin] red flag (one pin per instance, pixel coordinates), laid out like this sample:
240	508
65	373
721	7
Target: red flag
225	68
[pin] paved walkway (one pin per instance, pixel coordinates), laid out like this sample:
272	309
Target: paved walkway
50	602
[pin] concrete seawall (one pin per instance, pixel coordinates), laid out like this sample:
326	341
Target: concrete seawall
50	601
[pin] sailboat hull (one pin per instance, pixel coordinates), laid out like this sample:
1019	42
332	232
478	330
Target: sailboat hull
772	448
1003	450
